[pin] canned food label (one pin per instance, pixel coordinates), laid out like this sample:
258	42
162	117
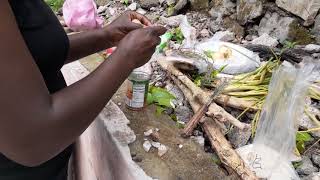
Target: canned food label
136	94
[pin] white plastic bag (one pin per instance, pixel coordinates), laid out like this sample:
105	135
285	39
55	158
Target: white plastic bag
240	61
81	15
273	146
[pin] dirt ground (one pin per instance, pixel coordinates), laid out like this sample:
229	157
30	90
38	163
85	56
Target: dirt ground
190	162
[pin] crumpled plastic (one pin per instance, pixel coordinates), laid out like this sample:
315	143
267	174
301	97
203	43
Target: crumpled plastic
81	15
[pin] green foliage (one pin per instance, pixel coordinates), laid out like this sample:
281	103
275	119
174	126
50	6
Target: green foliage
180	125
161	97
216	159
289	44
55	4
170	10
126	2
177	35
209	54
301	139
296	164
201	80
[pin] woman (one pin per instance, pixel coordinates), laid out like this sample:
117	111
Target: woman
40	117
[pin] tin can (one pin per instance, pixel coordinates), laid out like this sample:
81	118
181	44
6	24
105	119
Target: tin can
137	90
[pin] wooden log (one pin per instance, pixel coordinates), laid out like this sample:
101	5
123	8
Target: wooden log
214	110
228	156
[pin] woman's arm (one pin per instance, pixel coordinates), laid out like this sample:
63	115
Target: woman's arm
86	43
35	125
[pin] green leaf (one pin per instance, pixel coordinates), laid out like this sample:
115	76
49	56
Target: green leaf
216	72
178	35
160	93
166	102
159	110
174	117
180	125
209	54
126	2
296	164
150	99
170	10
303	136
300	146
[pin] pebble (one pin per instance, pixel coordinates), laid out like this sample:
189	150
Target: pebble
141	11
119	104
148	133
180	146
156	144
147	146
155	136
133	6
199	140
316	159
204	33
162	150
306	167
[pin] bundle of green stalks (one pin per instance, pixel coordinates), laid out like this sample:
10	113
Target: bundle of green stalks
253	87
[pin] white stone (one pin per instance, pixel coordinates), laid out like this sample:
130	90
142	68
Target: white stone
306	9
266	40
223	36
162	150
312	47
133	6
180	146
307	123
204	33
156	144
276	26
102	9
147	146
148	133
141	11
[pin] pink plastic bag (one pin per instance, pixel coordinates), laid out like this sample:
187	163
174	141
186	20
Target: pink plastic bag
81	15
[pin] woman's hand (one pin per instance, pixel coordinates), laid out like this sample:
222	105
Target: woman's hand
123	25
138	46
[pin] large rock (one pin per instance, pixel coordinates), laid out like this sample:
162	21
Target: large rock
306	168
233	26
199	4
313	176
316	28
239	138
266	40
147	4
284	28
306	9
223	36
316	159
222	8
248	10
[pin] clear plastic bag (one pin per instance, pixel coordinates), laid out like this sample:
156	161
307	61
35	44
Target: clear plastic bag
275	140
81	15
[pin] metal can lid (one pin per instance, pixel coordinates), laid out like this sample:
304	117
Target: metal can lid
139	76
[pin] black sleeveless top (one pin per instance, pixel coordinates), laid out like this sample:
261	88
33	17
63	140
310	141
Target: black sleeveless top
49	45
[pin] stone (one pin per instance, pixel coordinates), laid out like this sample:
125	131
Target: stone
307	10
284	28
266	40
147	4
173	21
312	47
176	92
183	113
306	168
102	9
204	33
155	136
156	144
141	11
316	28
223	36
199	4
162	150
215	26
239	138
248	10
198	139
133	6
222	8
148	133
179	6
306	123
234	27
313	176
147	146
316	159
102	2
180	146
170	2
